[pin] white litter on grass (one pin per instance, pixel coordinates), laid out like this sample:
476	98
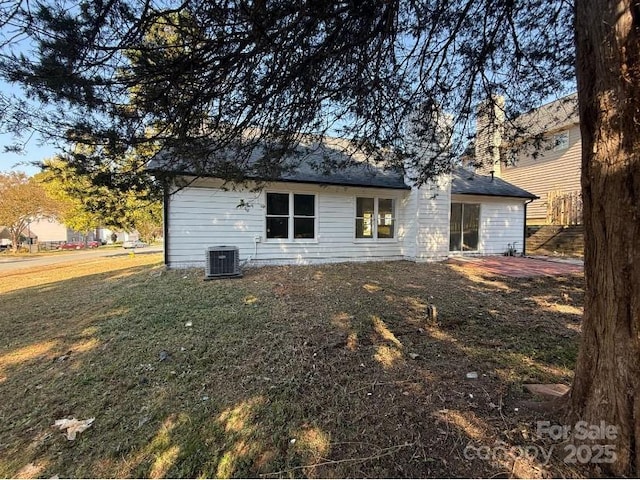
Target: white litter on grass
189	324
73	426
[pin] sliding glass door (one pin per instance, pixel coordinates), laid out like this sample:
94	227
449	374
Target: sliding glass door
464	226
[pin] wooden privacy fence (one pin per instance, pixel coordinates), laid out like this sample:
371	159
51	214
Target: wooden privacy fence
564	208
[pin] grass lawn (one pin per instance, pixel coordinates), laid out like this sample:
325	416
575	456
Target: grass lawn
331	371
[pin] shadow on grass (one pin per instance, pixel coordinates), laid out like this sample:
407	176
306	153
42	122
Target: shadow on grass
289	371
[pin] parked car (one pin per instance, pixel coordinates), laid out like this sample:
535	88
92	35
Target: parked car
134	244
94	244
70	246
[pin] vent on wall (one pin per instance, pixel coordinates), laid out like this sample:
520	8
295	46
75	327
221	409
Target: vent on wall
222	261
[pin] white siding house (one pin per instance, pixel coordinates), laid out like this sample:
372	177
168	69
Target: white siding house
204	215
501	223
333	220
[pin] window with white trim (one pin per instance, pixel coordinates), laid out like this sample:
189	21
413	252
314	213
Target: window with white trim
375	217
291	216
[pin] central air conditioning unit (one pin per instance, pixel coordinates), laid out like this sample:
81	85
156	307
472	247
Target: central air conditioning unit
221	262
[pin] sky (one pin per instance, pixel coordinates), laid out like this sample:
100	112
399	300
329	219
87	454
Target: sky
34	149
33	152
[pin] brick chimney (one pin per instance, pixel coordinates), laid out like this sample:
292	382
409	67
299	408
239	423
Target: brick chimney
489	130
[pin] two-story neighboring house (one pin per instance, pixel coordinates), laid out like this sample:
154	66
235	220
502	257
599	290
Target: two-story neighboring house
550	170
544	157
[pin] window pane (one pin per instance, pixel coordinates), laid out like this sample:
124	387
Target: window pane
455	228
385	227
303	228
385	206
385	218
561	141
277	204
277	227
364	227
364	206
470	222
304	205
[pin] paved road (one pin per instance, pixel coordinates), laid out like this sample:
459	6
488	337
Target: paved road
10	263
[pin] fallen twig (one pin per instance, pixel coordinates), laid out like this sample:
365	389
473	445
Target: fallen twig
383	453
500	411
376	383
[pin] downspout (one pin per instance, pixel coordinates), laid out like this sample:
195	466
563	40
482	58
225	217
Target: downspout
165	221
524	231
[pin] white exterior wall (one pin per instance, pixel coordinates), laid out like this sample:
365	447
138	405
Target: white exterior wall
203	215
104	235
431	235
501	223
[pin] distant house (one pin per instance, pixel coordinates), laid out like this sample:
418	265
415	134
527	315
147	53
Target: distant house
5	236
550	170
51	231
360	213
48	230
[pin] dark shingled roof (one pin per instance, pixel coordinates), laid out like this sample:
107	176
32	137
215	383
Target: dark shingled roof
358	173
361	174
553	116
465	182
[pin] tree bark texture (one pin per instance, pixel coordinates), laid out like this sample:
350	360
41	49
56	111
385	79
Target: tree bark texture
607	380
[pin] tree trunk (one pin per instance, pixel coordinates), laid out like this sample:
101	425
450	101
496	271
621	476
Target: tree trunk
14	233
607	379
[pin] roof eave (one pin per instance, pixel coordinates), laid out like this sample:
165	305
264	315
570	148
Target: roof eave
284	180
484	194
